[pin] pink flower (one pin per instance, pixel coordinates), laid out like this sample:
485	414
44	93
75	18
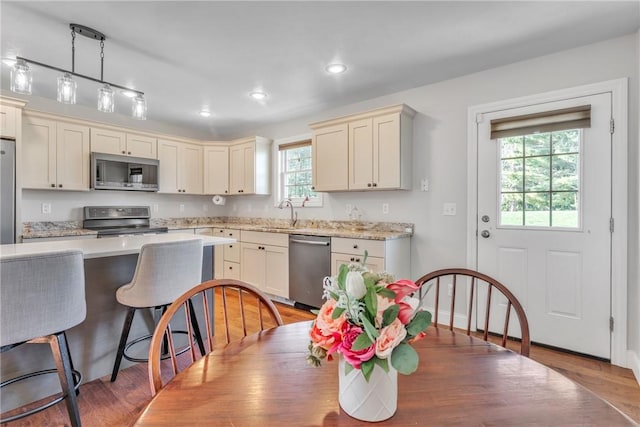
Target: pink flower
408	307
389	338
402	288
354	357
325	322
320	339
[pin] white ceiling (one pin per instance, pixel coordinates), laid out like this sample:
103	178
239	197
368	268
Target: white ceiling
187	55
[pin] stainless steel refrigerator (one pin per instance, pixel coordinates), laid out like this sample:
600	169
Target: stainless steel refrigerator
7	191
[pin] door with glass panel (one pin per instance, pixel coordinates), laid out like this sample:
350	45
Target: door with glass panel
544	209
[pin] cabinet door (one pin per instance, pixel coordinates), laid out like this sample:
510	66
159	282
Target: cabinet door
142	146
361	154
252	264
276	275
7	121
231	270
216	170
168	168
38	153
218	255
72	158
330	149
241	169
190	169
108	141
386	151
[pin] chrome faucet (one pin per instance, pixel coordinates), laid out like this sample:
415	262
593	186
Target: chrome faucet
294	215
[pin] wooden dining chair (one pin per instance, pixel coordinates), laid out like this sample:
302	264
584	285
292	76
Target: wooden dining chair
455	277
229	309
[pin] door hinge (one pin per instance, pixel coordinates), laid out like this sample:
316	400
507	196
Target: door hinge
611	225
612	126
611	323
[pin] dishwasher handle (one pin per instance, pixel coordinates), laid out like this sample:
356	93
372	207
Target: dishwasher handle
309	242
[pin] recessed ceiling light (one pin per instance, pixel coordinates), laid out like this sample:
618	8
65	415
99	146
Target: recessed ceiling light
128	93
258	95
205	113
336	68
9	61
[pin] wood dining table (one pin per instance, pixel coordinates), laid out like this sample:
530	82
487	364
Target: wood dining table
264	380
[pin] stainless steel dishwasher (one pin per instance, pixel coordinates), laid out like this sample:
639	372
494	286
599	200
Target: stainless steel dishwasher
309	264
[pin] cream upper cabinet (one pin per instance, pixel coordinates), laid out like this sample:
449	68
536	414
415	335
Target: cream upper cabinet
249	166
116	142
180	167
55	155
216	170
8	121
367	151
330	153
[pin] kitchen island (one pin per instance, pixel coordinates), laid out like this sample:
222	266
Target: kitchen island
109	263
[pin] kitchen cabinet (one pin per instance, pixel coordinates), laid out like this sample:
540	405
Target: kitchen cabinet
227	257
8	121
180	167
249	166
117	142
216	170
55	155
392	256
367	151
264	261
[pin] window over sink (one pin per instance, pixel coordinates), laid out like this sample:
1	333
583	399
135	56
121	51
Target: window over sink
295	174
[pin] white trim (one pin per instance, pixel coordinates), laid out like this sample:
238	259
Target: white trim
633	360
459	320
619	183
277	175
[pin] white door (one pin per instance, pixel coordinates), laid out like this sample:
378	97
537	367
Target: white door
544	209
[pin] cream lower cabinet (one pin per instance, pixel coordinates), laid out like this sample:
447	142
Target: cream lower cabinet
180	167
392	256
226	258
55	155
264	261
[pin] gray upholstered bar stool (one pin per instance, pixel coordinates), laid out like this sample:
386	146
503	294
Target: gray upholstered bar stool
41	297
164	272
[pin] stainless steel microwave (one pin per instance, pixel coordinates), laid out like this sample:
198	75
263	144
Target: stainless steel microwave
115	172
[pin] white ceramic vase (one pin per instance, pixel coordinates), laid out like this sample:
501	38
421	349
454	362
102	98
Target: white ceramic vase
371	401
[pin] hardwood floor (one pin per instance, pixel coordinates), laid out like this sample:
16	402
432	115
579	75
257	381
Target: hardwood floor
103	403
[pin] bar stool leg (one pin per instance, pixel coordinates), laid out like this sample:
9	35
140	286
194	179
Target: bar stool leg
196	328
123	341
62	357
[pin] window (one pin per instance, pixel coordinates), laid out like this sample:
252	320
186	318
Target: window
540	179
295	167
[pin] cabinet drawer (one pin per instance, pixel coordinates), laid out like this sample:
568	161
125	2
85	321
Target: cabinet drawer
263	238
232	252
375	248
374	264
204	231
231	270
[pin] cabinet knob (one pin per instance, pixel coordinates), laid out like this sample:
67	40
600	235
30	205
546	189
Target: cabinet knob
60	185
357	259
230	268
375	184
123	152
313	187
225	191
352	259
355	246
129	152
53	186
230	246
368	184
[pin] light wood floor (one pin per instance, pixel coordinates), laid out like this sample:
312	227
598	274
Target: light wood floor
103	403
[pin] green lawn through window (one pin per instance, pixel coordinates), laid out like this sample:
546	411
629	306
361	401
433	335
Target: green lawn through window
541	218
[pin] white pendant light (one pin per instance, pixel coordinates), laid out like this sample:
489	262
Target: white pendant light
21	78
139	108
66	89
106	102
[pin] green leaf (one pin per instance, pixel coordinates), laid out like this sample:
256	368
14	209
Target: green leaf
334	296
405	359
387	293
367	368
342	277
366	255
337	312
370	329
371	301
348	367
383	363
419	323
362	342
314	311
390	314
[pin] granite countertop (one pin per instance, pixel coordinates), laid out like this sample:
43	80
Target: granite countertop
347	229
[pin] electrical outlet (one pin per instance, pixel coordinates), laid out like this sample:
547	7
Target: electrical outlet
449	209
348	208
424	185
46	208
450	290
155	207
385	208
181	207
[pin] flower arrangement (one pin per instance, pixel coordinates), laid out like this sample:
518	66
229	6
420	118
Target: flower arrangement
370	319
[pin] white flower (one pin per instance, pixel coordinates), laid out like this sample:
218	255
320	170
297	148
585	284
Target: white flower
355	285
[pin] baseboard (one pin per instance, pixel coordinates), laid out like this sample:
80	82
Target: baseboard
633	360
459	320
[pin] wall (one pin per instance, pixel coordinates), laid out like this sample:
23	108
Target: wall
440	154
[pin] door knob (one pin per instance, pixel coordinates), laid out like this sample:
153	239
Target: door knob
485	218
485	233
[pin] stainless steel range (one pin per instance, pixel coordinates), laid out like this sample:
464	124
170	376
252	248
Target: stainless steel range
111	221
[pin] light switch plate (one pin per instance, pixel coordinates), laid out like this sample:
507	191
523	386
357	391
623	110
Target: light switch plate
449	209
385	208
424	185
46	208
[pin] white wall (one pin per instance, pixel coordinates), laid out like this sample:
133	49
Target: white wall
440	154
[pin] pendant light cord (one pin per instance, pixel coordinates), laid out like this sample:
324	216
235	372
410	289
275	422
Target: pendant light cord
102	60
73	51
